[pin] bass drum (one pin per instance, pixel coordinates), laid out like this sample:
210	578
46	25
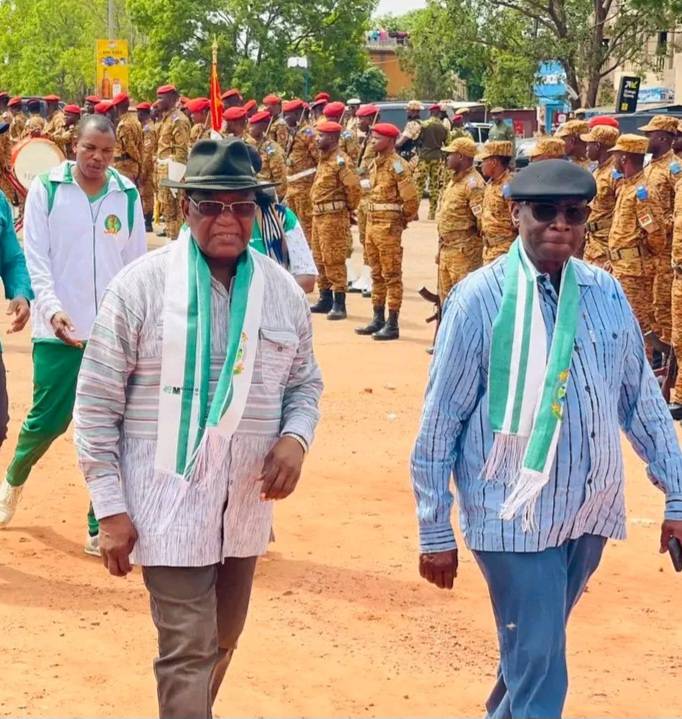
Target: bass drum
33	156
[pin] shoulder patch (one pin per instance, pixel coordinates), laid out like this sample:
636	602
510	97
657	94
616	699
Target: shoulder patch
642	193
675	167
308	131
398	167
340	161
346	134
506	191
616	174
471	183
270	149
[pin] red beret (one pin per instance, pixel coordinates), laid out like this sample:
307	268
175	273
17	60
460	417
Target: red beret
367	111
232	92
101	108
165	89
51	98
119	99
14	102
334	109
72	109
457	117
435	106
604	120
385	129
144	106
323	96
199	104
317	103
94	99
262	116
272	100
292	105
235	113
328	126
250	104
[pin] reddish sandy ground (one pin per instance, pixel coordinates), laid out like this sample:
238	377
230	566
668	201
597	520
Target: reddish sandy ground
340	623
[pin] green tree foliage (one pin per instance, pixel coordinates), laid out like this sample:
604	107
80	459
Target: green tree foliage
369	85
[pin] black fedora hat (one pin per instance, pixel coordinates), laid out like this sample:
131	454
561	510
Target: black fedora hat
215	165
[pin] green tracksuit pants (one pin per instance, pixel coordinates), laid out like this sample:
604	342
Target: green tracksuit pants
55	374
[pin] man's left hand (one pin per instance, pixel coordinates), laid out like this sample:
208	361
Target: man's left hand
18	307
282	469
670	528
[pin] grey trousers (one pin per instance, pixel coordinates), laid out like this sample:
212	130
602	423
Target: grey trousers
199	613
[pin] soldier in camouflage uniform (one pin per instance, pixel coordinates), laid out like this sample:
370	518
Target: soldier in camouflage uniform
638	232
599	140
547	148
393	202
301	156
172	146
55	117
201	128
271	154
662	175
460	250
335	195
458	130
35	124
433	137
367	116
502	131
676	307
407	145
570	133
348	143
497	228
235	122
146	180
279	131
129	142
18	122
67	137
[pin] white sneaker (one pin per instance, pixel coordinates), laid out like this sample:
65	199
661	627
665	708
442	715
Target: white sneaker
9	498
92	546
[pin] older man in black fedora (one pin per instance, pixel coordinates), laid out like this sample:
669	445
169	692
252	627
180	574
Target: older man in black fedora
197	402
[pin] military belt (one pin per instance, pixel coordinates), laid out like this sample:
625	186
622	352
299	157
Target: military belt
330	207
598	225
384	207
628	253
300	175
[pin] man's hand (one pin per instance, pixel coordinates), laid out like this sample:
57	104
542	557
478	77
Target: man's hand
18	307
282	469
670	528
63	327
439	568
117	537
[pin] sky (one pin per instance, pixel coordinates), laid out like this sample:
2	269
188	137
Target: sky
398	7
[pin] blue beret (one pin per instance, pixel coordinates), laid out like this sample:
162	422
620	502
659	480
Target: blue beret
552	180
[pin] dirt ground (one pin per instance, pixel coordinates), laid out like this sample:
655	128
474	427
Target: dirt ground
340	622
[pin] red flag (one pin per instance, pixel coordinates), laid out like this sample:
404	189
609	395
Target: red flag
214	93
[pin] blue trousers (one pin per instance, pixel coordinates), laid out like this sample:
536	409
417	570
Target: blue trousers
532	595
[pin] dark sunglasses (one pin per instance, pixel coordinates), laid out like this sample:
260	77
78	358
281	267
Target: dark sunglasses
245	209
547	212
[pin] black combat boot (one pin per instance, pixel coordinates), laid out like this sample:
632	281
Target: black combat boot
324	304
390	330
148	222
338	311
375	325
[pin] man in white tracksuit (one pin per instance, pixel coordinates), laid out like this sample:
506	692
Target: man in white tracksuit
83	223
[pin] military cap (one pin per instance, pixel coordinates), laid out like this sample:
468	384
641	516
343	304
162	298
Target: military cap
552	180
232	92
52	98
101	108
367	111
329	126
237	113
572	127
353	101
434	107
166	89
580	111
317	103
497	111
272	100
496	148
119	99
464	145
333	109
292	105
661	123
72	109
634	144
144	106
250	105
606	120
457	117
199	104
94	99
603	134
323	96
262	116
415	105
549	148
15	102
385	129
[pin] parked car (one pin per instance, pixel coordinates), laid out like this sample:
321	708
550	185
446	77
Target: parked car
523	147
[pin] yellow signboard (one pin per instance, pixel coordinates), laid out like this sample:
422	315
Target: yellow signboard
112	67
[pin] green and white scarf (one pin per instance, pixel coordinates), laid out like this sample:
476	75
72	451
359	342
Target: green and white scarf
526	385
185	415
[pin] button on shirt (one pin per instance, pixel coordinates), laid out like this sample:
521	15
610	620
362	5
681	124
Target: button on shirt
611	387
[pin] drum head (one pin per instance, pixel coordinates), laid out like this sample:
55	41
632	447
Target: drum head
32	157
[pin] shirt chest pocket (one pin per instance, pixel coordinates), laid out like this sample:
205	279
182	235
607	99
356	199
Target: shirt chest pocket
606	350
276	353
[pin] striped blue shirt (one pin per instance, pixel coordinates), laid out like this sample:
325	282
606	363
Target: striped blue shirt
611	386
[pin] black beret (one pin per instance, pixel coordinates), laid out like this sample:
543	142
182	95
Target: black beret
552	180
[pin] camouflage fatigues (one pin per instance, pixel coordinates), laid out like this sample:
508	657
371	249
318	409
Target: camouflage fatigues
198	132
279	132
274	168
430	169
348	143
460	250
601	217
55	125
392	203
172	144
676	295
35	124
335	193
497	228
128	149
16	128
64	139
146	179
368	153
301	154
5	153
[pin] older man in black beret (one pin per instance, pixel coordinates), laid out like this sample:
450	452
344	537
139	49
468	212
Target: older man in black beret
538	365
